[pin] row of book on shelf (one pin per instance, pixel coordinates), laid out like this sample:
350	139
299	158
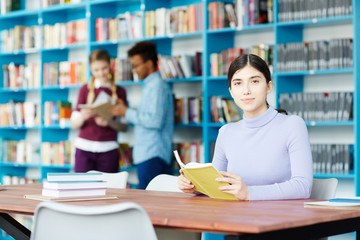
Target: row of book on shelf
295	10
52	153
164	21
19	114
239	14
188	110
20	152
9	5
159	22
220	62
125	26
332	158
317	55
57	113
60	153
67	73
181	66
189	152
63	152
12	180
46	3
64	73
14	5
21	75
64	34
224	110
20	38
54	36
319	106
27	114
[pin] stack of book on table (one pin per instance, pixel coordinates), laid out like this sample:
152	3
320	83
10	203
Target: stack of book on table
336	203
66	185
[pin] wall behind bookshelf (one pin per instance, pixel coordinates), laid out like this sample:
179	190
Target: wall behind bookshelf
206	41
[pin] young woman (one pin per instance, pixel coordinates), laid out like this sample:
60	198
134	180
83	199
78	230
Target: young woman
96	145
266	155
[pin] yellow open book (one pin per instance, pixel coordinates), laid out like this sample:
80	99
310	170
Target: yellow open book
202	176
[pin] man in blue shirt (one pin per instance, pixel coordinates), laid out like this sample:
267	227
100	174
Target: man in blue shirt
154	119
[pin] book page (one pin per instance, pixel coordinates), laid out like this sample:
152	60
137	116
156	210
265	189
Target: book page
190	164
101	99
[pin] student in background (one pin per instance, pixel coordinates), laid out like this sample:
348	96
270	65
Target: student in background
96	145
153	120
265	156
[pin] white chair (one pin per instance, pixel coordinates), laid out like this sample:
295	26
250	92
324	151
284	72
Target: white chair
115	180
324	188
59	221
165	182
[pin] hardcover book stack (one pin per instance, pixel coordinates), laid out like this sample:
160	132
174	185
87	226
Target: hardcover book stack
68	185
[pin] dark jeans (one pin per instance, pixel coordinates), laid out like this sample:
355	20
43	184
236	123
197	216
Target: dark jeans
104	161
149	169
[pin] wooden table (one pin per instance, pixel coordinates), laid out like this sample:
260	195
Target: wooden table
286	219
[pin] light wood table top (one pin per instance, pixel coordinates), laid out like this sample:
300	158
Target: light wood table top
197	213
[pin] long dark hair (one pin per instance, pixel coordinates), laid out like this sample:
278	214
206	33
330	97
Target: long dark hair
254	61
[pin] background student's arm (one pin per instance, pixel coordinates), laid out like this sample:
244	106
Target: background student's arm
79	116
116	124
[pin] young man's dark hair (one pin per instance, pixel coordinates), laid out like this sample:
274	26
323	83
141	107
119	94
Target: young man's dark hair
147	51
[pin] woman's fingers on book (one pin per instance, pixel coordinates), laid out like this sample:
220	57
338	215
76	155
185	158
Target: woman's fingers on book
228	177
185	184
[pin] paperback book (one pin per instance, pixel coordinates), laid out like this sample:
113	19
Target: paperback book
202	176
73	192
66	177
74	185
68	199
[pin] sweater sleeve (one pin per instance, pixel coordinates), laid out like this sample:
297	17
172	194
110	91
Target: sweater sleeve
300	183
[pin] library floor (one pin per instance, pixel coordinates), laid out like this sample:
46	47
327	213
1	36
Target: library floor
348	236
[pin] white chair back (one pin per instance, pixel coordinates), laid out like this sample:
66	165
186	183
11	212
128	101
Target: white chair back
164	182
115	180
324	188
59	221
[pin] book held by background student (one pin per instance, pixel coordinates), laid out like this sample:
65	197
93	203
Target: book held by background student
101	105
202	176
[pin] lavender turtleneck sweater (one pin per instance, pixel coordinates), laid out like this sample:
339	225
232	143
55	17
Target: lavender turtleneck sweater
271	153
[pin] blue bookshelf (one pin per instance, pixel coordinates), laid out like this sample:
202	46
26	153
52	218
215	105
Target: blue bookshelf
285	82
